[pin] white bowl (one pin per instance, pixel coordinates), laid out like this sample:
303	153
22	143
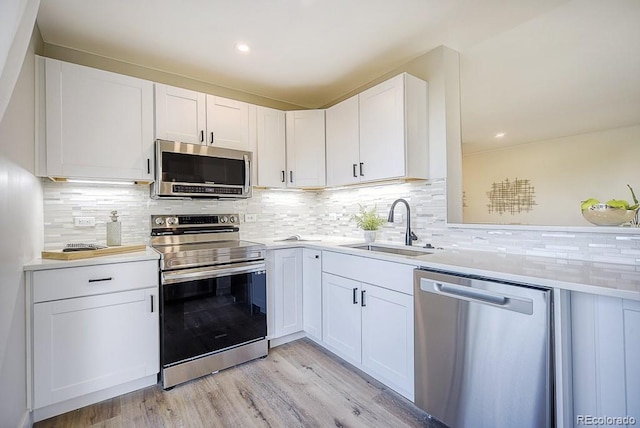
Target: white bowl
604	215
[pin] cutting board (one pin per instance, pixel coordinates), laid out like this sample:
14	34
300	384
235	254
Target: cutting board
74	255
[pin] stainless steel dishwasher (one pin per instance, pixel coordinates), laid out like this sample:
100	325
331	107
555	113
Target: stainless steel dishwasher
482	351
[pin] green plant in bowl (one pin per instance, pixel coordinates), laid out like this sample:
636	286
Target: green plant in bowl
613	213
368	219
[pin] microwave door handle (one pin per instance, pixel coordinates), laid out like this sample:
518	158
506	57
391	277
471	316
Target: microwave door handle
247	174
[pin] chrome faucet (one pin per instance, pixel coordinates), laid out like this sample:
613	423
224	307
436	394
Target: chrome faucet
409	236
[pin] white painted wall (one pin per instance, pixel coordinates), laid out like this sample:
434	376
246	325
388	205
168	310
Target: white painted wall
564	172
21	232
17	18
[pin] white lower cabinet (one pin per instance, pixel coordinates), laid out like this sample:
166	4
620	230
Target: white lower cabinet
91	343
285	276
387	337
341	326
93	328
605	357
312	293
370	326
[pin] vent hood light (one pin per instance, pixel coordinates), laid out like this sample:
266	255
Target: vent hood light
500	134
71	180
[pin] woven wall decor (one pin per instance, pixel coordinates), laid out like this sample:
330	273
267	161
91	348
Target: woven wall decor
511	196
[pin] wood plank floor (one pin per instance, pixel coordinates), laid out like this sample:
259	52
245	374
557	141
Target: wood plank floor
299	384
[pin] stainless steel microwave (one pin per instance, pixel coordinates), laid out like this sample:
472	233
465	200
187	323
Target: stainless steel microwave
190	171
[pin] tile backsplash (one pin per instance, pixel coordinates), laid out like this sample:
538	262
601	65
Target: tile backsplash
280	213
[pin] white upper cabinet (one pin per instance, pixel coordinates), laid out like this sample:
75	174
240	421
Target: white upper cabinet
180	114
193	117
93	123
393	133
305	140
271	148
343	143
227	123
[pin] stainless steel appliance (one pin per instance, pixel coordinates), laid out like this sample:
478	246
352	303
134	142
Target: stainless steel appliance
482	351
213	311
188	171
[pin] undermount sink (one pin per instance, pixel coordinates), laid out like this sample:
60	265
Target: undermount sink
390	250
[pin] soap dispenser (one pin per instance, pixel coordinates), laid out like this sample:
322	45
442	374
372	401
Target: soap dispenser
114	230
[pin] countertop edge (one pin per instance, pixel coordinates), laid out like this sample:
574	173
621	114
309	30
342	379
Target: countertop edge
46	264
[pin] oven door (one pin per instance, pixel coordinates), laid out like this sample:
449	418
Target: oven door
208	310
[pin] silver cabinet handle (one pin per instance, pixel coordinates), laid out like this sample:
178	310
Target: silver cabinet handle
101	279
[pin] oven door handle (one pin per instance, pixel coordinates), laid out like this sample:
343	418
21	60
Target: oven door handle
184	275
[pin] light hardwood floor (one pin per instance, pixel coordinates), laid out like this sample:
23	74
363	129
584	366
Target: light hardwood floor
298	384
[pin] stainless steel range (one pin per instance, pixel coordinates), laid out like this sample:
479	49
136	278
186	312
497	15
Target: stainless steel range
214	299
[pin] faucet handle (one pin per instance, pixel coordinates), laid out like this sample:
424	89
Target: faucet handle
413	236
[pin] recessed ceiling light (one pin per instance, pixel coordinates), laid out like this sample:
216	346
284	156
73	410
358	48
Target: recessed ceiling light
242	47
500	134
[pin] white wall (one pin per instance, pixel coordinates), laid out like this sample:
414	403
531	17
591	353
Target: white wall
563	171
16	23
21	232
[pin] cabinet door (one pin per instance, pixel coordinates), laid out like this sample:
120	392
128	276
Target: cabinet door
343	145
87	344
312	292
227	123
387	337
605	336
98	124
305	148
288	291
382	130
270	137
341	324
180	114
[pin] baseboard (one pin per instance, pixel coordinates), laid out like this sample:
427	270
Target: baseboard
286	339
95	397
27	422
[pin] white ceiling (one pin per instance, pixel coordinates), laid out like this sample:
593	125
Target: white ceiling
311	52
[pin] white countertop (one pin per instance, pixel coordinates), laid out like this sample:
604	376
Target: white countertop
43	264
608	279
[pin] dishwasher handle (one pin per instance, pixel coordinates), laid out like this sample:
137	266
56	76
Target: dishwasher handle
472	294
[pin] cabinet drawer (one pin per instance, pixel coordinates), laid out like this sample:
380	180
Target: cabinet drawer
65	283
394	276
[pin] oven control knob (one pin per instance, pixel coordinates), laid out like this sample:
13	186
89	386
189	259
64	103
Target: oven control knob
159	221
232	219
224	219
172	220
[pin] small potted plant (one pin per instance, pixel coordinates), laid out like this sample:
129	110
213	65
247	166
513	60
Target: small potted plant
369	222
